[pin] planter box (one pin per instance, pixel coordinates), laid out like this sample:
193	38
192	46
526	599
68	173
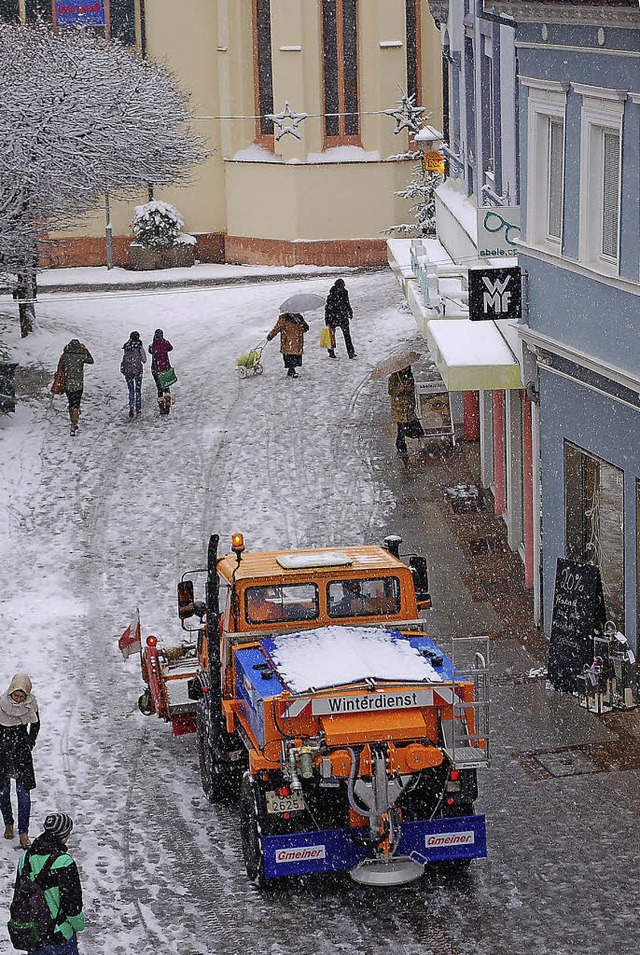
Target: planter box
173	257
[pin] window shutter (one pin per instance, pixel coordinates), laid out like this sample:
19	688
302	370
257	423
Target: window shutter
610	193
554	204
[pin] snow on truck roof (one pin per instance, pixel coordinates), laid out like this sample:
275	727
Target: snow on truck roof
334	656
322	560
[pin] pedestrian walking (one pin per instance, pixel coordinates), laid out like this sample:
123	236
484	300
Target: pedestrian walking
131	366
19	728
402	390
74	357
338	314
159	350
49	864
291	327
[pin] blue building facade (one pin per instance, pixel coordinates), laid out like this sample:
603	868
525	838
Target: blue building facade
578	71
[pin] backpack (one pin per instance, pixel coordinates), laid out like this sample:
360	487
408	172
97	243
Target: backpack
31	925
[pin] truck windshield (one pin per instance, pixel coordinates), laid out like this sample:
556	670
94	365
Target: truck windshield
375	597
290	602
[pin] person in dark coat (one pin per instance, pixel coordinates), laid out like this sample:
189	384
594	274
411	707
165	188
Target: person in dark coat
402	391
74	357
131	366
19	728
338	314
159	350
291	328
61	884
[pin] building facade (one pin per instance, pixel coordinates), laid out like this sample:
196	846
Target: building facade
579	132
481	362
325	69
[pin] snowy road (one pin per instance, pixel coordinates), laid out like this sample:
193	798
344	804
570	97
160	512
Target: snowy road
108	521
100	524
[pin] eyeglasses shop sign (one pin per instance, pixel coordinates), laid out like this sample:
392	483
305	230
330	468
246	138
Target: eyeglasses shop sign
498	231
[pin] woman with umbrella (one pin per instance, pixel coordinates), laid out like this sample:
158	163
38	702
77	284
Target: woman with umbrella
402	391
291	327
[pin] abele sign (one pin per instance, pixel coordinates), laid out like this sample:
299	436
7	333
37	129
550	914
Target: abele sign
494	293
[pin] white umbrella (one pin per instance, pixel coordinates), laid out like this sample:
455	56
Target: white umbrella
395	362
302	302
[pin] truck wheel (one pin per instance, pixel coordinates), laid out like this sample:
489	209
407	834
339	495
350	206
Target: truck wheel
251	825
213	780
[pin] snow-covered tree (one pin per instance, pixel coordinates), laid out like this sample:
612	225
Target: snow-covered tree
80	118
421	190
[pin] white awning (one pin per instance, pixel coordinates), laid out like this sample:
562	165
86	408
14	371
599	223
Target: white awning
472	356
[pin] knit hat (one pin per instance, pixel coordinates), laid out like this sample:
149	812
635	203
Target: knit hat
158	333
135	336
58	824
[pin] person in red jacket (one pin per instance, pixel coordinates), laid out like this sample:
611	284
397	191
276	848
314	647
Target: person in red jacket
159	350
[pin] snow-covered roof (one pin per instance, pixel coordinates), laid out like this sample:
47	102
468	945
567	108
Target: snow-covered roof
333	656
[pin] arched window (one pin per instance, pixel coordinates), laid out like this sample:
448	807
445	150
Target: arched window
412	30
263	72
340	59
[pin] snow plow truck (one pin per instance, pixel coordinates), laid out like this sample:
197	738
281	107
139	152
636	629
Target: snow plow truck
316	694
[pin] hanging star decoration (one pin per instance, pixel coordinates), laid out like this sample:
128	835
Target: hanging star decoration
292	119
407	115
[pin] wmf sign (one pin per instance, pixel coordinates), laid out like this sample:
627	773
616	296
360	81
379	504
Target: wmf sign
494	293
498	231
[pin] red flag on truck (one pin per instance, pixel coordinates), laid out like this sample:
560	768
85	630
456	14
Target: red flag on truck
130	641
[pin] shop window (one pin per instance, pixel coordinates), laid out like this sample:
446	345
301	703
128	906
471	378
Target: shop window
122	21
594	522
263	70
638	556
9	11
38	10
340	61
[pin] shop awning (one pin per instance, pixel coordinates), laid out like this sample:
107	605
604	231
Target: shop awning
472	356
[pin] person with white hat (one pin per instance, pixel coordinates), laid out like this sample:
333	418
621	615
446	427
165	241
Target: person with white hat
19	727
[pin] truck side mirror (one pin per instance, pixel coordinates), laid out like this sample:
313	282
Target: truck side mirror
186	606
420	571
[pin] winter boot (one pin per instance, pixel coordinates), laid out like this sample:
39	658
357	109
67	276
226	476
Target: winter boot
131	412
331	353
167	404
8	832
161	405
25	841
74	415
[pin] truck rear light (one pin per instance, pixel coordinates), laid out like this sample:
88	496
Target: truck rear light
454	774
283	791
152	641
286	815
450	801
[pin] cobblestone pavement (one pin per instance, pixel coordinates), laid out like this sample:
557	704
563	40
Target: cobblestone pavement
561	795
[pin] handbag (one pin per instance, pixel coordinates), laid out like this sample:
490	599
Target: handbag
414	429
59	383
167	377
325	338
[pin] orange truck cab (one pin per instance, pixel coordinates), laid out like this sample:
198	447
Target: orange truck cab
353	739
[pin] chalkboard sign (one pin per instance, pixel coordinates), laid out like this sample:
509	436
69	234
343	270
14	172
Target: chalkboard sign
578	614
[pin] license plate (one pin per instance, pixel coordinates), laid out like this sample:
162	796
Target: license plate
278	804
